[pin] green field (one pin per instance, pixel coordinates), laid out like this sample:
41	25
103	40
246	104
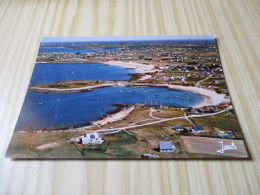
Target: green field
225	121
117	145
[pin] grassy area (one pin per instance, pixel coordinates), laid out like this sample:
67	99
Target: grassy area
168	113
137	115
223	121
25	145
71	84
158	131
118	145
115	146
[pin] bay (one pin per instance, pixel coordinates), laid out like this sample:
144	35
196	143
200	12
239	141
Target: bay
60	110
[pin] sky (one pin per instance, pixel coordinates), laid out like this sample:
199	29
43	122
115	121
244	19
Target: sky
126	38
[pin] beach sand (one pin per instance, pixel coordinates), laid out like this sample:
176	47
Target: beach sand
211	98
114	117
140	68
145	77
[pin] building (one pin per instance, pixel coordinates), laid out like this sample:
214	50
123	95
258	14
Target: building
201	75
166	146
222	134
91	138
177	127
221	76
191	110
181	78
197	129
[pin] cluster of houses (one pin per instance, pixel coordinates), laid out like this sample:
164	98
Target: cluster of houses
200	129
194	129
205	109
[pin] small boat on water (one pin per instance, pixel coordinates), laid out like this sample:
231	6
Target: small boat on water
121	91
58	99
40	103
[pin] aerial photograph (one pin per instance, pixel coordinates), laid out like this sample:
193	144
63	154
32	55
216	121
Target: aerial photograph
128	97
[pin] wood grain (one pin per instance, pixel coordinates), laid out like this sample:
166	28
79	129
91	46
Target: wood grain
237	28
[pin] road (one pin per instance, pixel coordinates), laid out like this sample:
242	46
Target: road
164	120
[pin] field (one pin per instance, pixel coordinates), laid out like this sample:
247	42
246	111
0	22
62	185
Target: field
225	121
71	84
210	146
57	145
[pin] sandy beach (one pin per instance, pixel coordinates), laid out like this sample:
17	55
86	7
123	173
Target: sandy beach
114	117
145	77
140	68
211	98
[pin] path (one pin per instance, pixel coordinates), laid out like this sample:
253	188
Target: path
168	119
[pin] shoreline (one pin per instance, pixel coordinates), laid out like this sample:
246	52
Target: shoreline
211	98
114	117
140	68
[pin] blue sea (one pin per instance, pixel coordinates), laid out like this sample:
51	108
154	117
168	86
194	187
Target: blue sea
59	110
53	72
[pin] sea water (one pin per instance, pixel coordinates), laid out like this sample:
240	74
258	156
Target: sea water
60	110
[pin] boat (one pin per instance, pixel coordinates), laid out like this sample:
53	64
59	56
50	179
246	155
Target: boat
40	103
58	99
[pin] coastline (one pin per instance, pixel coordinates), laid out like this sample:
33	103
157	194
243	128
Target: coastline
140	68
210	97
114	117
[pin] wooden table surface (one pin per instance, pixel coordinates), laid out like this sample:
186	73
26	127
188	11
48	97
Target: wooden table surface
236	25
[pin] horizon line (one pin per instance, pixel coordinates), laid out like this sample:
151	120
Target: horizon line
126	38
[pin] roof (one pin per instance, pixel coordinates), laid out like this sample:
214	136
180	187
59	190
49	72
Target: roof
177	127
166	145
198	127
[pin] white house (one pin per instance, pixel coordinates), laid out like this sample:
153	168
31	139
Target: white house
166	146
91	138
177	127
181	78
197	129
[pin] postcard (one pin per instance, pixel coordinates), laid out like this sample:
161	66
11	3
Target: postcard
138	97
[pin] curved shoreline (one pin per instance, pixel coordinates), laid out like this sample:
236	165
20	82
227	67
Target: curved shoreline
140	68
211	98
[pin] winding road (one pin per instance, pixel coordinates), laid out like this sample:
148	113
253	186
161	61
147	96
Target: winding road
163	120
